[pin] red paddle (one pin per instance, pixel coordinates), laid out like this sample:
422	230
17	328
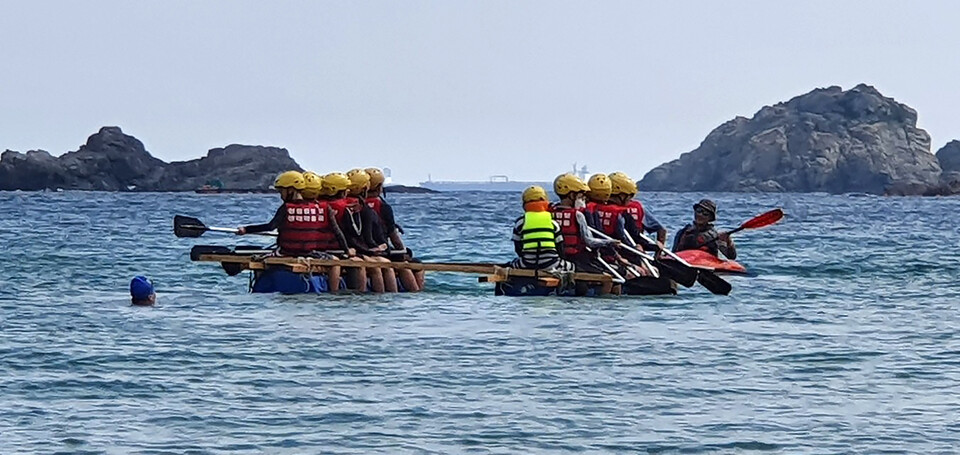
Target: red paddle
762	220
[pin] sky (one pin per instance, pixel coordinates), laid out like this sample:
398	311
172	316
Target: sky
454	90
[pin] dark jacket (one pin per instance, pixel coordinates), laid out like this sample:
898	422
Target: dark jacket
692	238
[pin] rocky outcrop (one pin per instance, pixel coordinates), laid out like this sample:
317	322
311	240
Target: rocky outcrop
949	158
828	140
234	166
114	161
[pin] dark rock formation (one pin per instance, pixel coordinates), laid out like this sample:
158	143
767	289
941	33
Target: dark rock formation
827	140
113	161
235	167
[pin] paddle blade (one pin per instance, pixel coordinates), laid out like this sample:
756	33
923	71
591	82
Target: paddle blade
185	226
763	219
683	275
714	283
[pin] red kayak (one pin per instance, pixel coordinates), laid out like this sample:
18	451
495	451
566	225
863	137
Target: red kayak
703	259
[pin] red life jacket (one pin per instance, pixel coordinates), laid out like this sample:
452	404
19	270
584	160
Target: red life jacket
635	209
566	217
375	203
609	216
339	207
305	229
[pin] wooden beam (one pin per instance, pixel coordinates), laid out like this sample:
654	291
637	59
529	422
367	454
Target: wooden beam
320	265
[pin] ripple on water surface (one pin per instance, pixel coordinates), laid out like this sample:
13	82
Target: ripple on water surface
846	341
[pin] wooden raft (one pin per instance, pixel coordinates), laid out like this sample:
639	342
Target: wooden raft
493	273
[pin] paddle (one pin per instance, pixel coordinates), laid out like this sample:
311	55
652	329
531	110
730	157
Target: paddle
707	278
682	273
762	220
185	226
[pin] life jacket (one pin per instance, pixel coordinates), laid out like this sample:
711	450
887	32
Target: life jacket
306	228
693	238
537	231
375	203
635	209
339	207
609	216
566	217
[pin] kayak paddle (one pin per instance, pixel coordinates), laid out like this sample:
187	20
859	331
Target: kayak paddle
186	226
682	273
707	278
762	220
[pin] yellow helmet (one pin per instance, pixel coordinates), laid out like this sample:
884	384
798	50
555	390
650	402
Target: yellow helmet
312	185
621	183
600	187
359	180
289	179
534	193
335	182
567	183
376	177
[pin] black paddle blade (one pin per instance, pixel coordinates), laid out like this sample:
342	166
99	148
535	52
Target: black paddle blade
185	226
714	283
199	250
683	275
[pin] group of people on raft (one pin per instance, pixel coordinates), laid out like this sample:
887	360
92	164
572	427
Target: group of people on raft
585	229
341	216
345	216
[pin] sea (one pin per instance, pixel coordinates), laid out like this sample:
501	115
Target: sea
846	339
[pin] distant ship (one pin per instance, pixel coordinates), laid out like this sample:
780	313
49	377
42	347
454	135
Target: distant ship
495	183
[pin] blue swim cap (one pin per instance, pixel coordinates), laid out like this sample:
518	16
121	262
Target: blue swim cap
141	288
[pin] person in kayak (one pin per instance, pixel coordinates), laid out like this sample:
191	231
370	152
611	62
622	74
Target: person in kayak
303	227
702	235
579	243
142	292
536	236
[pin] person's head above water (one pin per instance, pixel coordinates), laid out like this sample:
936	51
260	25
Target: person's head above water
704	212
141	291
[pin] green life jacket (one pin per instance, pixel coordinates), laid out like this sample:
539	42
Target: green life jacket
538	231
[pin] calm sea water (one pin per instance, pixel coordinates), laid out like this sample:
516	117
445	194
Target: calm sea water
846	341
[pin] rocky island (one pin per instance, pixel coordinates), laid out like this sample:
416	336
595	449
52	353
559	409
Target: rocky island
114	161
828	140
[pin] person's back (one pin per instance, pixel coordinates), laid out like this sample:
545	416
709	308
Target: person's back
536	235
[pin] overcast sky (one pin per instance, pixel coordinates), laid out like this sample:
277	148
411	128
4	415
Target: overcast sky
454	89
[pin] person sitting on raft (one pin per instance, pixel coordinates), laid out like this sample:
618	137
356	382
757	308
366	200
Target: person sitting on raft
536	236
388	222
364	232
598	193
303	226
625	216
702	235
579	243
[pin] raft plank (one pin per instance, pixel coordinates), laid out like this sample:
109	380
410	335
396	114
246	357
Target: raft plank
322	264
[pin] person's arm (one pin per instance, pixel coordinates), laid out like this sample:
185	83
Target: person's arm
651	225
726	246
517	237
341	239
557	238
272	225
677	238
370	225
390	226
587	236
